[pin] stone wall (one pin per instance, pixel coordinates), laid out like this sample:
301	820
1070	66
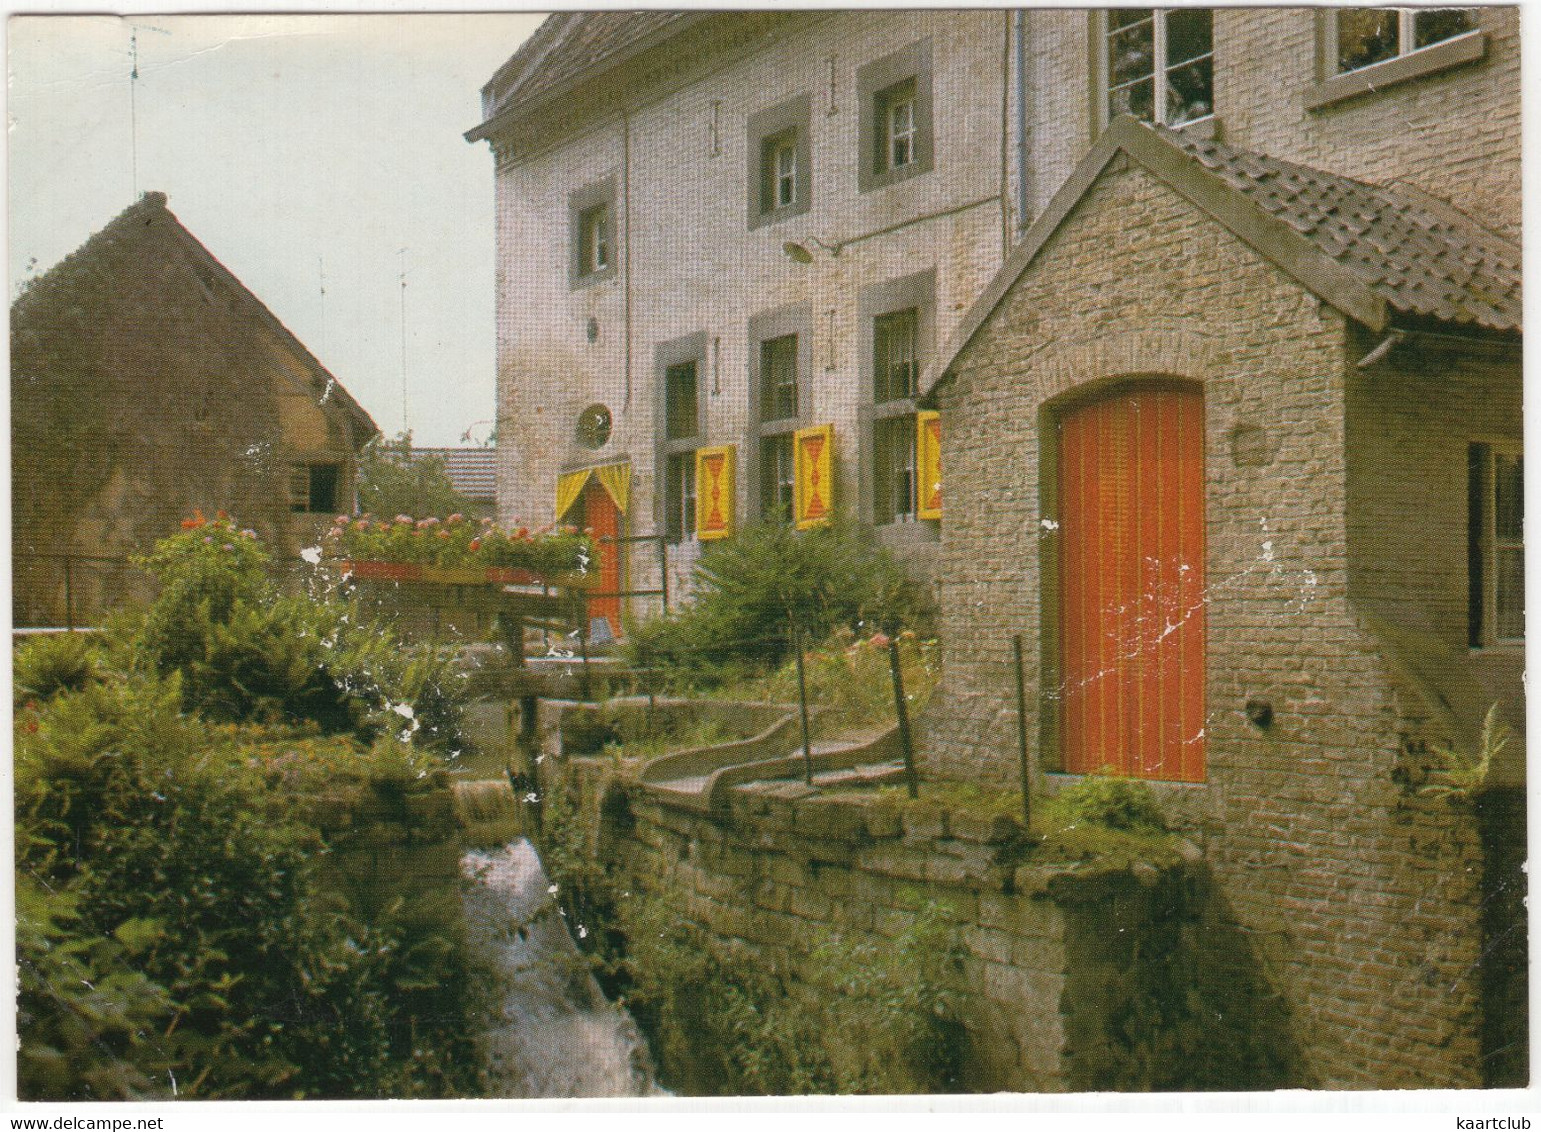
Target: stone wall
1453	132
1070	975
1354	894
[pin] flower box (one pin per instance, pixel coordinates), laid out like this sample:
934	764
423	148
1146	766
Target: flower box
372	571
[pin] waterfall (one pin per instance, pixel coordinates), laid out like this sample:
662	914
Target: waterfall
551	1032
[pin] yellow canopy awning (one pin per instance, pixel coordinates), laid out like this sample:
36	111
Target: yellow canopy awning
614	478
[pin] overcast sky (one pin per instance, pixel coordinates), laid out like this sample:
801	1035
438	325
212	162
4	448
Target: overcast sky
300	150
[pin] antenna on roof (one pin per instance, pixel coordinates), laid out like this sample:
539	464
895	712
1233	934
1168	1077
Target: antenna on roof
404	340
133	109
321	274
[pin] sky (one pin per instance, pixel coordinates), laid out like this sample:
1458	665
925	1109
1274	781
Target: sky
318	157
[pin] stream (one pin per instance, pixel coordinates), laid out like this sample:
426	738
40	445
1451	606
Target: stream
552	1033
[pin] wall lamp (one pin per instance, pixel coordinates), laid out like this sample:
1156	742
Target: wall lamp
798	253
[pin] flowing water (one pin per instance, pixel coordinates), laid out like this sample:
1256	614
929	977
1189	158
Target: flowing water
552	1033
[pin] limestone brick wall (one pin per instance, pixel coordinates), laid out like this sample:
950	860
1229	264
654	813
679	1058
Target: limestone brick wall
1061	972
1355	897
689	262
1453	132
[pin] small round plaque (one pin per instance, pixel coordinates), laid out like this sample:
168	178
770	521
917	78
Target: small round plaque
594	426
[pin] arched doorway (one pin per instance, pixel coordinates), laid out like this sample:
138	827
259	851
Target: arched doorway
597	513
1131	599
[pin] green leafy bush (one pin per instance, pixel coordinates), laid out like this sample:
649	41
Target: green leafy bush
395	480
245	651
859	1016
1116	803
46	666
177	934
851	676
749	591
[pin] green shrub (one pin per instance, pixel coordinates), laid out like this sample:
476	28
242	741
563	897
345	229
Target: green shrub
749	591
176	932
47	665
1116	803
851	676
246	652
858	1016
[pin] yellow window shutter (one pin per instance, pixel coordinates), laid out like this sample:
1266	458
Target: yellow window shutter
568	488
813	468
928	461
714	492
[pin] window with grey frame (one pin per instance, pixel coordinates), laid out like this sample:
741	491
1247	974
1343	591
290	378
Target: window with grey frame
895	320
895	127
1158	65
1367	36
895	369
780	173
778	404
681	437
591	237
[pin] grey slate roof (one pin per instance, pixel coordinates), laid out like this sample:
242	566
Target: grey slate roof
1377	253
472	471
568	47
1423	256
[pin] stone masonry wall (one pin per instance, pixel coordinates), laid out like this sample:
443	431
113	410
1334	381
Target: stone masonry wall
1454	133
1355	897
1068	978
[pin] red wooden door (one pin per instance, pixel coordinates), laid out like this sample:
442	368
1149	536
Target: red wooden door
603	520
1131	505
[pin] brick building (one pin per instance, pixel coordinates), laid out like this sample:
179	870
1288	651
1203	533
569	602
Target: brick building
147	382
1220	311
718	229
1233	442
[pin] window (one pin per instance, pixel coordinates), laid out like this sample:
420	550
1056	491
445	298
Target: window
1496	478
894	94
893	471
680	498
778	477
778	171
1366	36
780	162
895	112
778	378
594	239
680	400
893	439
1158	65
678	412
1362	51
313	488
591	214
894	365
896	330
780	354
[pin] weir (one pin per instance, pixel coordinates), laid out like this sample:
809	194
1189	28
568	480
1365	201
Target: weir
551	1033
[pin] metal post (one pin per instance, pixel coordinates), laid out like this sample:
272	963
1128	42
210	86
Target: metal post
69	593
663	571
1027	810
906	744
802	699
